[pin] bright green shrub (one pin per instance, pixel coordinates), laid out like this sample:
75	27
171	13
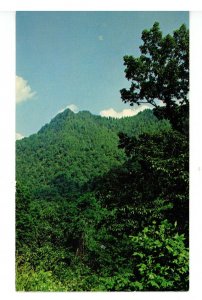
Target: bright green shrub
28	279
160	258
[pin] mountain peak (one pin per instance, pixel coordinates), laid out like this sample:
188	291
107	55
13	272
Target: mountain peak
67	111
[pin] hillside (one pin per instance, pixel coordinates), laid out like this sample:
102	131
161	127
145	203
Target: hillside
82	193
76	148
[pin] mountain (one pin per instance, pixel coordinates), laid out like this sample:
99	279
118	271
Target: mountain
74	148
93	211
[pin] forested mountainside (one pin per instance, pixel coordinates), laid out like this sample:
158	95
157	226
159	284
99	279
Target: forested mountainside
76	148
103	204
80	197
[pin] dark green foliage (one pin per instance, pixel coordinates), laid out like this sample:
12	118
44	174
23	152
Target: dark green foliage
161	72
23	219
61	219
103	204
162	171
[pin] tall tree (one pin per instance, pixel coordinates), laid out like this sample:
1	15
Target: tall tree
161	72
160	77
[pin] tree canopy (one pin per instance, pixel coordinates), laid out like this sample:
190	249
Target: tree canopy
160	75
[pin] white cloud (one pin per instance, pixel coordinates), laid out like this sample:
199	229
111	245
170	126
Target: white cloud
100	38
23	90
73	108
18	136
128	112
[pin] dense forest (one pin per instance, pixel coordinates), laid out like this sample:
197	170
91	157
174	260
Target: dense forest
102	204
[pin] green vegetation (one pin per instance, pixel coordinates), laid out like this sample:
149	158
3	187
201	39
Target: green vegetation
102	204
161	258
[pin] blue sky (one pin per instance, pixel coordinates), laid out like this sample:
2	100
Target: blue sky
76	58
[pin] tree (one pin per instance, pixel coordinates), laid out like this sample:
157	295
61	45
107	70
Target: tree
161	73
160	77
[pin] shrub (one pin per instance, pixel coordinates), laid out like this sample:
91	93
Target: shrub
160	258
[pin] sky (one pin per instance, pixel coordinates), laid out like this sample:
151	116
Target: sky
75	60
